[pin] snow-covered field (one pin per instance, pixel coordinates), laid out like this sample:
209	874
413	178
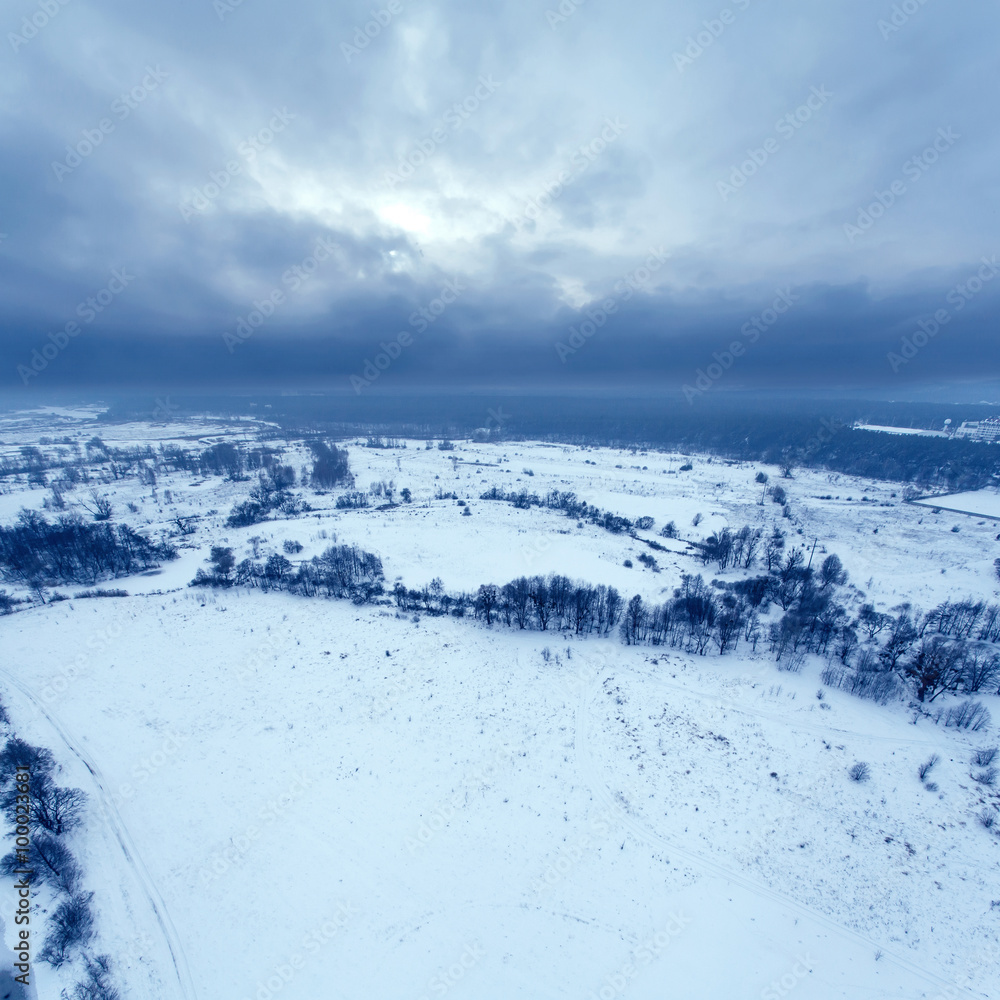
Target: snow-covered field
979	503
303	798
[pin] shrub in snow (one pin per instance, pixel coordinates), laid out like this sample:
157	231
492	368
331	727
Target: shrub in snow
987	777
983	758
792	663
971	715
987	818
98	984
859	772
874	685
352	501
71	927
928	766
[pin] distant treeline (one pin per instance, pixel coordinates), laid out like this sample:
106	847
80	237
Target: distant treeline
568	503
752	427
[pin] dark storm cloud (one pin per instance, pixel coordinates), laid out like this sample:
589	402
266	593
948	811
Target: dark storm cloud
534	155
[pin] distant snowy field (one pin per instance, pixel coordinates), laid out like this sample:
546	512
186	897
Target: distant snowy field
985	503
320	800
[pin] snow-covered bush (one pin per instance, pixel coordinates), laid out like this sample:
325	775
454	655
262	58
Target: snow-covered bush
969	714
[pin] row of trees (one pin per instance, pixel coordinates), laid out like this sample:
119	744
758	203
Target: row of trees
38	552
550	602
42	815
874	655
341	571
567	502
869	653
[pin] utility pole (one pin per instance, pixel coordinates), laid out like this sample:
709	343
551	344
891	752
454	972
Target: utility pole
815	541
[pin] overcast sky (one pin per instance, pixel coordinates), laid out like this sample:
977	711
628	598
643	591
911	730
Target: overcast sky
694	174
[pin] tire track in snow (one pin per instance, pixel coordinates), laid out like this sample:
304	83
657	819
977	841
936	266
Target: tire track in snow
125	842
644	833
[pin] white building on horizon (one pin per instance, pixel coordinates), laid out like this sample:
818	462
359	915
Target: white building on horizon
987	431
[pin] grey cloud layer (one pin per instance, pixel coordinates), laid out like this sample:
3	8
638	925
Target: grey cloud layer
206	148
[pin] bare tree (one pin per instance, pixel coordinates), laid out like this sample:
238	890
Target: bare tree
71	927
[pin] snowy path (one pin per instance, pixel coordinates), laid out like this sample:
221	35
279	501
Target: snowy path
132	860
